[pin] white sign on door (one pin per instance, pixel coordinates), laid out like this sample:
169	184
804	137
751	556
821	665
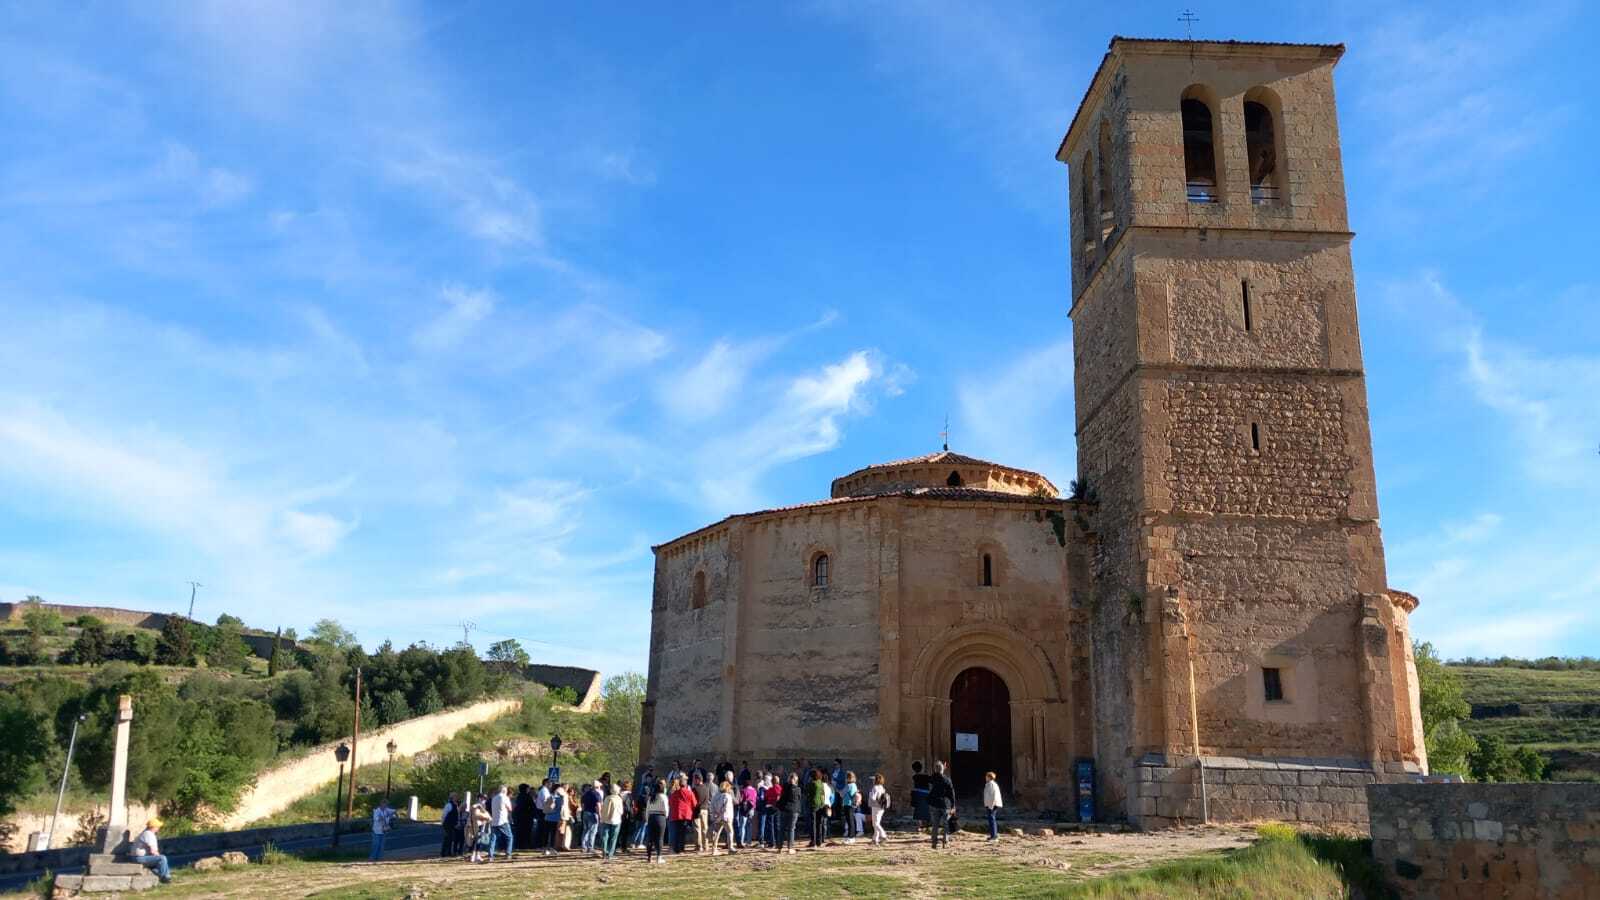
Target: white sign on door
965	741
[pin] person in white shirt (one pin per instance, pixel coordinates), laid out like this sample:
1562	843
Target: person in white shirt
610	821
991	803
146	851
381	819
500	822
878	804
543	798
720	817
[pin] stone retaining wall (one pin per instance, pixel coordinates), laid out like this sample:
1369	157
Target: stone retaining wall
1488	840
70	857
1237	789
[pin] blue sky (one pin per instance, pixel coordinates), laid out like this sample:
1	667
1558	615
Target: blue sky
409	314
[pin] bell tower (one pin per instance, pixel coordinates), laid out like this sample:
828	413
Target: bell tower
1240	605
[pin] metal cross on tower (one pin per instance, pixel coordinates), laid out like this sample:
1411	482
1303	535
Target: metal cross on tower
1188	19
944	435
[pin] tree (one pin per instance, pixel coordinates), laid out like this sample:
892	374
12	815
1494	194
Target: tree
616	727
175	646
92	646
23	742
133	646
392	708
330	633
1493	761
1443	707
41	620
227	650
226	619
508	653
1532	763
431	702
273	657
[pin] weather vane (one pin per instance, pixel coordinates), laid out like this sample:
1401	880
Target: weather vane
945	434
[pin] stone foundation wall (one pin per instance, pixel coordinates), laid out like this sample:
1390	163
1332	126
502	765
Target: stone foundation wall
1488	840
1313	791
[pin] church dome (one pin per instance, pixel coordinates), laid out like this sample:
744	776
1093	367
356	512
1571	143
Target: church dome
942	470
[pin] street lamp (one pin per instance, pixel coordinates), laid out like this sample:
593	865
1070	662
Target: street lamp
50	841
390	782
555	755
342	754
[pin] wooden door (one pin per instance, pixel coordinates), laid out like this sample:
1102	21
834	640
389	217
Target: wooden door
980	711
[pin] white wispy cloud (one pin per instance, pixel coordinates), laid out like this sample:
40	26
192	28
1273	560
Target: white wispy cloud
804	417
1022	414
1432	84
464	309
1519	578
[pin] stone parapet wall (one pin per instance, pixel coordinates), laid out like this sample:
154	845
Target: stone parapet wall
1314	791
1488	840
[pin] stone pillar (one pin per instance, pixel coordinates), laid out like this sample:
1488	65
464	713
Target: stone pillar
117	815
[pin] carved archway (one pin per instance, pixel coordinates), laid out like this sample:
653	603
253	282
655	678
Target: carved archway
1032	683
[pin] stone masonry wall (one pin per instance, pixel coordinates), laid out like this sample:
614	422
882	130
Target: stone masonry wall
1318	791
687	644
1488	840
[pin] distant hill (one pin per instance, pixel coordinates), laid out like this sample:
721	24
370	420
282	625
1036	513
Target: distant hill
1554	711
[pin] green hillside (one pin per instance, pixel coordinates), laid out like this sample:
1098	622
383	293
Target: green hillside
1554	711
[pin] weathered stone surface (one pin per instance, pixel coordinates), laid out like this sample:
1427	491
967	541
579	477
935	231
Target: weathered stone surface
1222	426
1487	840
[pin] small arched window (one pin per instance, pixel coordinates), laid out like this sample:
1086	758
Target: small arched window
1086	201
1199	149
1261	148
819	571
1108	212
988	570
698	601
954	480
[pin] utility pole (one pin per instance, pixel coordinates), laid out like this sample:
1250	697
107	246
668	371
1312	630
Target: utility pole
50	842
355	742
193	586
466	629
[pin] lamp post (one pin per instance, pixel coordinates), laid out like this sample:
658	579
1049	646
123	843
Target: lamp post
62	792
389	783
342	754
555	753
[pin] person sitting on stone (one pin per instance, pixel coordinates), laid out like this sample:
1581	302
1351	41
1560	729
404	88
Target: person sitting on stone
146	851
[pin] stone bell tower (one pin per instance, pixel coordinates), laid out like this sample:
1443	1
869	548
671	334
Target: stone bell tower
1242	618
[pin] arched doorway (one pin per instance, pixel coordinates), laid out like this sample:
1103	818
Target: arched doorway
980	731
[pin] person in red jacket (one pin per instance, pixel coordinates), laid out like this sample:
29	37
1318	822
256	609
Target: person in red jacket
682	803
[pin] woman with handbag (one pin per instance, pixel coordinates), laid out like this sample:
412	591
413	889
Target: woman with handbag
878	803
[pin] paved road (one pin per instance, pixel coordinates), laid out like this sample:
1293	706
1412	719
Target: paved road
403	837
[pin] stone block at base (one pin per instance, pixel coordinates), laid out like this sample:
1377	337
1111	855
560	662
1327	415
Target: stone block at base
73	885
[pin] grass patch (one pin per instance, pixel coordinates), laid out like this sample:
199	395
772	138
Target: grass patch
1497	685
1281	864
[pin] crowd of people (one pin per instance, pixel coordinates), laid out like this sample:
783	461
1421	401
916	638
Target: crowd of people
716	811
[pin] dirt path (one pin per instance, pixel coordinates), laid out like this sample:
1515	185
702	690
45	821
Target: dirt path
279	787
905	866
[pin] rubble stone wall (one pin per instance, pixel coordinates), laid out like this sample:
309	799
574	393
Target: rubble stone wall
1488	840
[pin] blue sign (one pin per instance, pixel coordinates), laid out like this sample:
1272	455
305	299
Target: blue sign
554	774
1083	774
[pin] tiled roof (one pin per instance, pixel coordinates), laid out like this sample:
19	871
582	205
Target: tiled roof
943	457
919	493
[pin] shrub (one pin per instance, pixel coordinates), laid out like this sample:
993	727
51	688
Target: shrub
450	772
88	621
272	856
1277	831
39	620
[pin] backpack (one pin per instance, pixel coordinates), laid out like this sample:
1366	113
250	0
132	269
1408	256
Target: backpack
884	801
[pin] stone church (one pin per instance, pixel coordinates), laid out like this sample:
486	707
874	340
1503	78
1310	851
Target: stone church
1206	617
